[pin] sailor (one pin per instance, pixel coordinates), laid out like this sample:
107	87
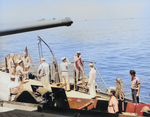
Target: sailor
113	103
14	87
11	65
43	72
78	65
19	72
135	86
26	63
64	69
92	81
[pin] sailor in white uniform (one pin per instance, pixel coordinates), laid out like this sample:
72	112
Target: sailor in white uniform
78	63
14	87
16	80
92	81
26	63
19	72
64	69
43	72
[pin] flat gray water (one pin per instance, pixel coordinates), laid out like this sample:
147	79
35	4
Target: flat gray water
116	46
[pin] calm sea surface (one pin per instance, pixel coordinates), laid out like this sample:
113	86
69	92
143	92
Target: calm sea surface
116	46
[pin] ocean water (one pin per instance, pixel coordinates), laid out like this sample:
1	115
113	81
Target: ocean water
116	45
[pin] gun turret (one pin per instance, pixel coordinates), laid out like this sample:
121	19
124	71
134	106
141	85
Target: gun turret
9	29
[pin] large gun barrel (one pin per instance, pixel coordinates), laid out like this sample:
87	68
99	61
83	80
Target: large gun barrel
31	26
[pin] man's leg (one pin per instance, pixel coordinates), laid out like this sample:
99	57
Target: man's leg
47	83
42	82
67	81
77	75
90	89
64	81
137	98
134	98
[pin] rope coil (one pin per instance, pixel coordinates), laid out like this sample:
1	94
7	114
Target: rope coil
119	89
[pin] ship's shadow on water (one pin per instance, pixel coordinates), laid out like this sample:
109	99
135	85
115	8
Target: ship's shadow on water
116	46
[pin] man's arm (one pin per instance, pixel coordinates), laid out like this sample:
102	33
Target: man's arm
22	72
139	86
39	69
77	58
69	63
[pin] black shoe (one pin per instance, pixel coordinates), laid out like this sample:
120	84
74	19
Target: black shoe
58	84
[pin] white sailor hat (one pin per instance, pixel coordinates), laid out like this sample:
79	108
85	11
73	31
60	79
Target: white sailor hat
42	59
12	76
19	61
78	52
91	65
63	58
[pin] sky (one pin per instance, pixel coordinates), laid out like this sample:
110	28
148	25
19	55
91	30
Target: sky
31	10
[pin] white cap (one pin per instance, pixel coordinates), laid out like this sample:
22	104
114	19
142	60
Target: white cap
12	76
78	52
42	59
19	61
91	65
63	58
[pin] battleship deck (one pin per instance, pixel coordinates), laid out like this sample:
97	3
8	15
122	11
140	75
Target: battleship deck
78	98
4	81
18	109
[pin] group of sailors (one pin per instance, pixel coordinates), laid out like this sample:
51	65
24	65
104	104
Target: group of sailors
43	72
18	70
78	63
19	66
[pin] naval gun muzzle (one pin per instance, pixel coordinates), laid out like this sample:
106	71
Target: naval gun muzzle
8	29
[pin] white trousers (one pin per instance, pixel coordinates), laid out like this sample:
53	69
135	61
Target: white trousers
65	79
45	82
92	89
